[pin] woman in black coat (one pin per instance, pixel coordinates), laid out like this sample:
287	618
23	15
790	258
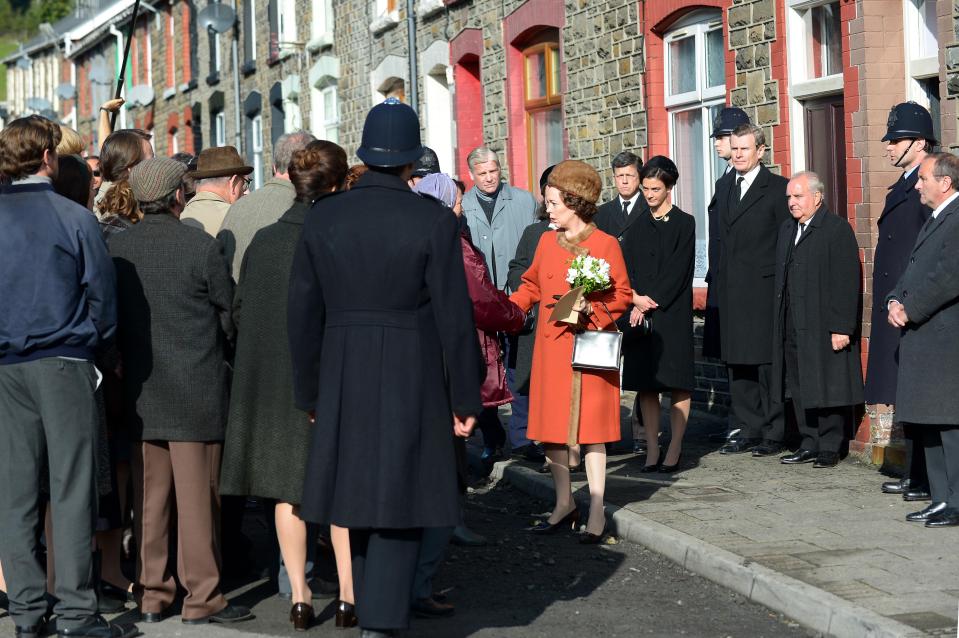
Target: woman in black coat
659	249
267	439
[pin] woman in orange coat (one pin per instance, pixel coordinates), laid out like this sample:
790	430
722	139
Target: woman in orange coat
567	406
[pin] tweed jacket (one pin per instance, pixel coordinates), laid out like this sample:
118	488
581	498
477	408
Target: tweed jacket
205	211
515	210
174	298
249	214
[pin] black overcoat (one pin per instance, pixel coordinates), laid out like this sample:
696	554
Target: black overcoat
174	329
747	264
711	344
824	278
609	216
898	226
267	438
384	350
660	258
929	349
520	263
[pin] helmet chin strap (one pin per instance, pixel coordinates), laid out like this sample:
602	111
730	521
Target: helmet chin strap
904	153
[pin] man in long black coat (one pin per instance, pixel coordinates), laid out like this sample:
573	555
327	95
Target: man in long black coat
385	355
749	221
816	321
924	304
909	140
618	214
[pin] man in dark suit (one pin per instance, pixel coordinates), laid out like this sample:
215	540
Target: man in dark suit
58	308
749	221
615	216
174	300
924	304
909	139
816	321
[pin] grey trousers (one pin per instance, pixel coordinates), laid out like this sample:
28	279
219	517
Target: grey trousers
48	413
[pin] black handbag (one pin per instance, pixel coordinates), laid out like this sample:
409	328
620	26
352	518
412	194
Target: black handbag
598	349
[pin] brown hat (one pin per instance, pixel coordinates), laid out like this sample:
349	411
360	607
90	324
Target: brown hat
219	161
156	178
577	178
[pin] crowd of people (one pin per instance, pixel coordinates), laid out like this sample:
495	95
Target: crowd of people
171	344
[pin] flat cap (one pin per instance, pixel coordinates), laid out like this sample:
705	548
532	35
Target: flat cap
156	178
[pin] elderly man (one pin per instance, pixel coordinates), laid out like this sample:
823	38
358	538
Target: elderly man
749	220
909	139
174	299
616	216
816	322
497	214
58	307
220	179
264	206
923	304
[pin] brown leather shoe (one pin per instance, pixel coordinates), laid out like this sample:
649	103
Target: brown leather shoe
430	608
345	615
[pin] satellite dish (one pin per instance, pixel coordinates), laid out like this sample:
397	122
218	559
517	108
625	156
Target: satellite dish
141	95
216	16
24	63
38	104
99	73
66	91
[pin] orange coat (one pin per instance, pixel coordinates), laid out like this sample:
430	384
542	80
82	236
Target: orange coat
553	383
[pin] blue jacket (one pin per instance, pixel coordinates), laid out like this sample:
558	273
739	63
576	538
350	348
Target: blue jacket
58	289
515	210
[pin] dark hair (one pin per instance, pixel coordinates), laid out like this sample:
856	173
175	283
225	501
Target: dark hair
624	159
356	171
74	179
22	143
119	200
160	206
121	151
661	168
583	208
316	169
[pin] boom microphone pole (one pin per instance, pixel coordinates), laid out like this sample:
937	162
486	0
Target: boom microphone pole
123	67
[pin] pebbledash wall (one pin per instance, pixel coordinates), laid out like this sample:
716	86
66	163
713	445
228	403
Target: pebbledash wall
645	75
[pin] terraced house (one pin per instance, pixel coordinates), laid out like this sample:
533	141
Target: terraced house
538	80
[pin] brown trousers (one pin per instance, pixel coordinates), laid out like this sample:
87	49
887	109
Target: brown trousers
184	474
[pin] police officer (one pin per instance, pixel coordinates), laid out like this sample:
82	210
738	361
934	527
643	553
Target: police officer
909	138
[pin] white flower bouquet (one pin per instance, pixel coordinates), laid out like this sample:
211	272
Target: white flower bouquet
588	273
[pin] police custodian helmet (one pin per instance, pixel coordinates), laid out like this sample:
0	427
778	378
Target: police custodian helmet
909	121
728	119
391	135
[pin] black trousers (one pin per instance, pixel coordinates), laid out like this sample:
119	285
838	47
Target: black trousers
821	429
384	565
941	445
758	415
915	454
494	436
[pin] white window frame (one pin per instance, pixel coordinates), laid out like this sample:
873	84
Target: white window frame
217	58
220	128
174	143
383	17
321	27
917	67
323	94
256	144
801	87
252	28
171	39
286	29
702	98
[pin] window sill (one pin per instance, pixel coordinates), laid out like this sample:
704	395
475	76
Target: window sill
213	78
169	93
426	8
248	67
321	41
384	22
814	88
188	86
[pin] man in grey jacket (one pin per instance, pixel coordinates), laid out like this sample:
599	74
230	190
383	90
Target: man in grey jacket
497	215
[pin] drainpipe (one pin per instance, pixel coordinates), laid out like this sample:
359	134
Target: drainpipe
119	37
411	48
67	49
238	138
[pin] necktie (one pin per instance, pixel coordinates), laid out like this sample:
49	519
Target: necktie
739	187
625	209
736	194
802	229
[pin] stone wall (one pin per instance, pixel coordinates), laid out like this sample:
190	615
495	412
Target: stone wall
949	72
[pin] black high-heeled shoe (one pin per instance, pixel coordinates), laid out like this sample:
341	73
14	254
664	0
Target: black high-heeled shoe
302	616
669	469
345	615
545	527
588	538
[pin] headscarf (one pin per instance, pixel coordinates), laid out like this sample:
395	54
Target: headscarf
438	185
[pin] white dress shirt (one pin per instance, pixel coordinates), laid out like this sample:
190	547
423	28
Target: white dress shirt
631	201
748	179
943	205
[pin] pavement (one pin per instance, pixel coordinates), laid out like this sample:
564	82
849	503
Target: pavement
822	546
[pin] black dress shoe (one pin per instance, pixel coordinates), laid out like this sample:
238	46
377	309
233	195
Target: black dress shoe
917	494
429	608
230	613
739	446
98	627
669	469
345	615
896	487
302	616
926	513
768	448
826	459
545	527
528	452
116	592
649	469
154	616
800	456
948	517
